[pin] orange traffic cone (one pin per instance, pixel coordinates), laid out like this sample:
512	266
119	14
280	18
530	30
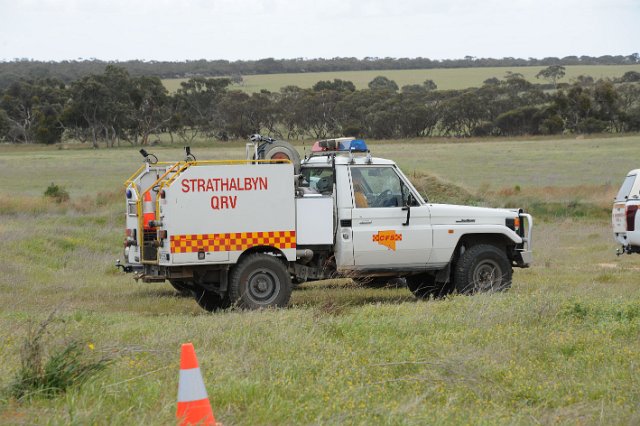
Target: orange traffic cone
193	403
147	211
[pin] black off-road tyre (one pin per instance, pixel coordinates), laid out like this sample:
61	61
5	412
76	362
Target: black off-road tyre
425	286
210	300
260	281
181	287
482	269
283	150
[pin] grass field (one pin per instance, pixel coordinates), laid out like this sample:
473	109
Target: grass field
562	347
446	79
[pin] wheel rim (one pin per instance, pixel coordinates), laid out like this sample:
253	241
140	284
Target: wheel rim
487	275
263	286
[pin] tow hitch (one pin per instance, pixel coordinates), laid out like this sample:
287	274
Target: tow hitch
127	269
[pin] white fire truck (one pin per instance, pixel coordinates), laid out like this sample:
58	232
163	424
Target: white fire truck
243	232
624	217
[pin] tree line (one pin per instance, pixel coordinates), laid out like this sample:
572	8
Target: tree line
114	107
68	71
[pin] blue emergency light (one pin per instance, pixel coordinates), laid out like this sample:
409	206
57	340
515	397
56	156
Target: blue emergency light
358	145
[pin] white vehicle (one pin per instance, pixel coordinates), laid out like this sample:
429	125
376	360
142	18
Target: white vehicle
624	217
241	232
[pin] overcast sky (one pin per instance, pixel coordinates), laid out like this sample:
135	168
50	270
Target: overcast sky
252	29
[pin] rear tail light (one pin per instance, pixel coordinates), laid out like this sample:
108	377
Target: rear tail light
631	217
130	237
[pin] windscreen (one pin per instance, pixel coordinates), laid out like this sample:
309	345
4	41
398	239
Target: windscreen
625	189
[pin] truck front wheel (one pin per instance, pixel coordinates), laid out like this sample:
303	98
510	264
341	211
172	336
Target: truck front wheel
260	281
482	268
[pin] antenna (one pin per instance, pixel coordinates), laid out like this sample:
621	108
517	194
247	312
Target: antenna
189	156
148	158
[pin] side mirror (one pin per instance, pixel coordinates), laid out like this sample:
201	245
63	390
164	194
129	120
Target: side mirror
407	207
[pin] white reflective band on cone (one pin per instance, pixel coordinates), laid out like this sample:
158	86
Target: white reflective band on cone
191	386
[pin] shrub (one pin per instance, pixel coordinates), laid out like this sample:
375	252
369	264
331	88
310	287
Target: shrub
592	125
57	193
551	126
630	77
66	365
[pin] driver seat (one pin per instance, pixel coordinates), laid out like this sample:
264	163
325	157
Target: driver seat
360	198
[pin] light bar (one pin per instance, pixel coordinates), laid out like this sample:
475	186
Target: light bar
340	144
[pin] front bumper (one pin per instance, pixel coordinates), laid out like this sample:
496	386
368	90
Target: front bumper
524	255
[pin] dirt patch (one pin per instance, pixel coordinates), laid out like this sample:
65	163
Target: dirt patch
608	265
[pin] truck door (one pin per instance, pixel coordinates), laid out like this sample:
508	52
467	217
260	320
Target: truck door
381	236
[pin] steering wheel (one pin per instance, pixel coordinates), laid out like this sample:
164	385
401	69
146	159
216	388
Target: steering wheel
382	198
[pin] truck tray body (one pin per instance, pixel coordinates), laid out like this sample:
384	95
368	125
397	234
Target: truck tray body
214	213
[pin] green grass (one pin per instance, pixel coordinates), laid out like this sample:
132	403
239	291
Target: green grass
477	164
446	79
560	348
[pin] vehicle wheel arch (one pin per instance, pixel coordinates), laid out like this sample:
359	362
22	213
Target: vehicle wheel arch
264	250
467	241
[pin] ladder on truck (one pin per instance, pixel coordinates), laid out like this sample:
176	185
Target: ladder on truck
149	237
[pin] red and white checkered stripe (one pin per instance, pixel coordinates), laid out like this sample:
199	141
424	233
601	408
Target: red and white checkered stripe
238	241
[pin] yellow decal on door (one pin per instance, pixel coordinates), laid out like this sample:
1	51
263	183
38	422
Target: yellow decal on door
387	238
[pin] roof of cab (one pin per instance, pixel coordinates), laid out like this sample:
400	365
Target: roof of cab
360	160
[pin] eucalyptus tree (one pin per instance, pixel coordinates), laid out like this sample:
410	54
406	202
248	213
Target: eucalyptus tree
151	106
552	73
32	111
383	83
196	105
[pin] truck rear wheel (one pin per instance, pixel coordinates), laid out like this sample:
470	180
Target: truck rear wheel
260	281
482	268
210	300
181	287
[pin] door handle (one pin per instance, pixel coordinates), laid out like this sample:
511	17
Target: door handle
366	222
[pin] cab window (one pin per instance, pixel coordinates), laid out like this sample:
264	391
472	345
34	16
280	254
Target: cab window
379	187
317	179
